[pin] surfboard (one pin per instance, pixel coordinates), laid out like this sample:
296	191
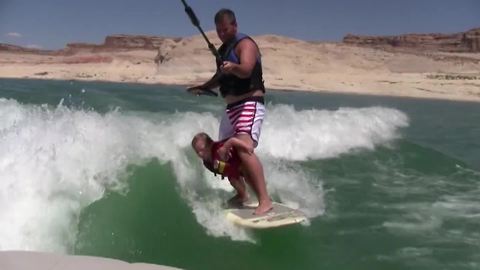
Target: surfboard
280	215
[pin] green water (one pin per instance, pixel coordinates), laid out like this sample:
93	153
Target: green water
407	201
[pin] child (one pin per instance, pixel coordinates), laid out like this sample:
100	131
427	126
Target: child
222	158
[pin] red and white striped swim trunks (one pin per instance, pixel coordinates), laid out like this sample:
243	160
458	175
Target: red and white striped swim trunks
245	116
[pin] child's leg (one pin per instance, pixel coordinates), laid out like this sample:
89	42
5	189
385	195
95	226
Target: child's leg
239	185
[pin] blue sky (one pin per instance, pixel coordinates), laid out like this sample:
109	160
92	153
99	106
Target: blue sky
51	24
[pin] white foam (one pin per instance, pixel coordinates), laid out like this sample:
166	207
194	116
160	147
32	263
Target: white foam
316	134
56	161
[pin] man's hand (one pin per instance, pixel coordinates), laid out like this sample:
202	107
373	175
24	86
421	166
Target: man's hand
224	153
228	67
201	90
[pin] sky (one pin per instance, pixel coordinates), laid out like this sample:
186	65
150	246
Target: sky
51	24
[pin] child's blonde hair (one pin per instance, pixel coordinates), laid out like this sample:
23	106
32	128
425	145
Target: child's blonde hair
201	136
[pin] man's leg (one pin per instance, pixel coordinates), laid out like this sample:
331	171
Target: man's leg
254	170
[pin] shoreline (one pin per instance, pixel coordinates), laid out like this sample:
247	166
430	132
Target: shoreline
279	89
288	64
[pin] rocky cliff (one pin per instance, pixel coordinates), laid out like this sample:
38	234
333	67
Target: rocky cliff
468	41
20	49
111	43
126	42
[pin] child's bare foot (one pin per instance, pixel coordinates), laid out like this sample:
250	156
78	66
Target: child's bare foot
237	200
263	208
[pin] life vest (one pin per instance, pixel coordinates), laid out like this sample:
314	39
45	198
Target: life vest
231	84
229	168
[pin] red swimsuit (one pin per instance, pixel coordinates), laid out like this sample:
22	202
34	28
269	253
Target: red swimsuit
229	168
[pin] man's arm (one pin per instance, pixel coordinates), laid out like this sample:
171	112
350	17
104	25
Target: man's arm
205	89
247	51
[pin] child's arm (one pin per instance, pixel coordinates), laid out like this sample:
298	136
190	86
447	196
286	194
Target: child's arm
240	145
234	142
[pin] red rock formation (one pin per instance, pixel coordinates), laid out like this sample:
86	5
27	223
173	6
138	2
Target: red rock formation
459	42
112	43
87	59
124	42
80	46
20	49
134	42
472	39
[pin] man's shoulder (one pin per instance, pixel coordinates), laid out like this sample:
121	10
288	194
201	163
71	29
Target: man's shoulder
246	39
247	43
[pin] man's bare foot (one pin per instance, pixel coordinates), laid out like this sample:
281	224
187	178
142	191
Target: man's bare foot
263	208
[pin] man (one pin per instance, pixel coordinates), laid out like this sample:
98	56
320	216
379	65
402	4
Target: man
239	77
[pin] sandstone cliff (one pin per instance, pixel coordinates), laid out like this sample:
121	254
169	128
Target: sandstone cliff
126	42
422	70
20	49
468	41
111	43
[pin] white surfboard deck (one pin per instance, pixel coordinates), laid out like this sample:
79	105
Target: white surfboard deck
280	215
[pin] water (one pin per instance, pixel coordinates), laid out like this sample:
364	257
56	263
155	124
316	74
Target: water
106	169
